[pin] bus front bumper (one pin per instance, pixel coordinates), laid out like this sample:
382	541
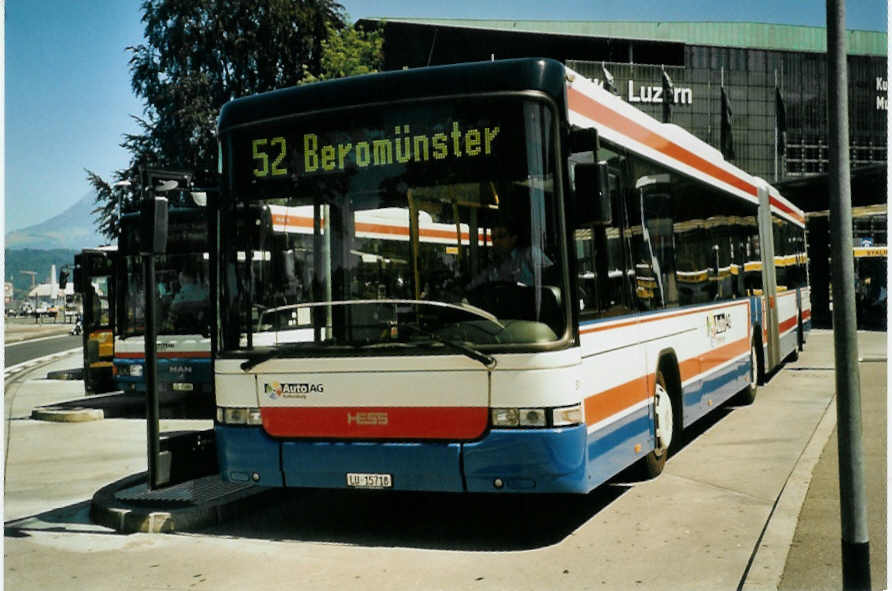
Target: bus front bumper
515	460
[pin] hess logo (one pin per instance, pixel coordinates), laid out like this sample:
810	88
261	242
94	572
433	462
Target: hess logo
367	418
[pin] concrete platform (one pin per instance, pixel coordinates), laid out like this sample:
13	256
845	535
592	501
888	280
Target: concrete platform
127	506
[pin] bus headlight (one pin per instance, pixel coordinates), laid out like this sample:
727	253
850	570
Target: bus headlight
136	370
537	417
505	417
229	415
532	417
567	416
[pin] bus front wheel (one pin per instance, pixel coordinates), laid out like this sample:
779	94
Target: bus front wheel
664	429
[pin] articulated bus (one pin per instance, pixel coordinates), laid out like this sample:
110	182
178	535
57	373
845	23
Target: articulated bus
491	277
94	283
182	314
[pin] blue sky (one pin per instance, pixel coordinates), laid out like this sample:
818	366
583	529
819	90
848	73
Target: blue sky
68	98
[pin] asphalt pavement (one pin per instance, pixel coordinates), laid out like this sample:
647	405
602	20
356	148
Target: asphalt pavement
781	452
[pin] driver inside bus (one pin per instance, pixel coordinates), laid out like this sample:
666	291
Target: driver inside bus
189	303
515	259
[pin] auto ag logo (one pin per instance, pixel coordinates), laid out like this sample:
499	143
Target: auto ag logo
276	390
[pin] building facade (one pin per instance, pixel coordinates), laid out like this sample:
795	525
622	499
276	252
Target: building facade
774	78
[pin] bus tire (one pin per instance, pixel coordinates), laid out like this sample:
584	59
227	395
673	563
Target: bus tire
666	427
748	395
761	378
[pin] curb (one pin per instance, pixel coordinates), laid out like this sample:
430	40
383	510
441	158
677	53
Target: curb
67	415
127	518
14	370
770	559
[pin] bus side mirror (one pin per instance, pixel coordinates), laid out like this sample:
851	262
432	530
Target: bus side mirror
590	179
592	195
153	225
63	279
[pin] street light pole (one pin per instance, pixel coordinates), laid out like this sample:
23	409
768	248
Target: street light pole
852	496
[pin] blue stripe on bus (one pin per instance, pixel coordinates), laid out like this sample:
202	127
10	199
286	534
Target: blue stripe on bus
244	451
612	448
528	460
717	387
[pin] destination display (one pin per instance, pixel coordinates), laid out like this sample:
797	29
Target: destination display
469	140
272	156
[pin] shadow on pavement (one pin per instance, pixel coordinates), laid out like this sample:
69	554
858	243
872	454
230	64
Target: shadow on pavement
442	521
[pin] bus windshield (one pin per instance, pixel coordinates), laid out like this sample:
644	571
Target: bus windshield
181	278
181	295
414	225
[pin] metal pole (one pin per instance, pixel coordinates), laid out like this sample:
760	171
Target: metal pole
853	505
151	374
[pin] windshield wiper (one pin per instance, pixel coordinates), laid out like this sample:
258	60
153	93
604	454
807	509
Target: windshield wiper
463	306
253	362
488	361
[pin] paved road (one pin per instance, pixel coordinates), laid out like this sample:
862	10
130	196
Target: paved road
700	525
22	351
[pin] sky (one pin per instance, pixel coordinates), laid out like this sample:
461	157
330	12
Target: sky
68	100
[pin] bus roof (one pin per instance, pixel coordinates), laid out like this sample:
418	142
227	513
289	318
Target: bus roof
618	121
542	74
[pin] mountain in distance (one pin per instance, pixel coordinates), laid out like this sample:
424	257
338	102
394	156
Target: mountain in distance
72	229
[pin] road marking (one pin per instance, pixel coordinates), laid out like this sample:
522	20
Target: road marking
58	336
15	369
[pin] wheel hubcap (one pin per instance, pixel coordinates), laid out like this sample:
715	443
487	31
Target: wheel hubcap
663	412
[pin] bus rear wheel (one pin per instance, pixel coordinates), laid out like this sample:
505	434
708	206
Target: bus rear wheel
665	429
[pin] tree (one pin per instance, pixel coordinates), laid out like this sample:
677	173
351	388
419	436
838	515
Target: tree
348	52
196	56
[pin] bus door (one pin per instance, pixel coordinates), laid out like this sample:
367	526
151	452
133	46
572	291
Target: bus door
769	281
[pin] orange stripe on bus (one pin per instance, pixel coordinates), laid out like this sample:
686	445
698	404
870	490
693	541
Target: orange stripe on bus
305	222
595	111
691	368
609	402
786	209
605	404
645	320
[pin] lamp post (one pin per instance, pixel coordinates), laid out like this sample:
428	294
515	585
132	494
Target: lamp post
153	241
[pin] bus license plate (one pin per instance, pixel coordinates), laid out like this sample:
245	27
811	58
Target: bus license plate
182	387
355	480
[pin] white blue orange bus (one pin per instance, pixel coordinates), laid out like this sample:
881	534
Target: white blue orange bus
491	277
